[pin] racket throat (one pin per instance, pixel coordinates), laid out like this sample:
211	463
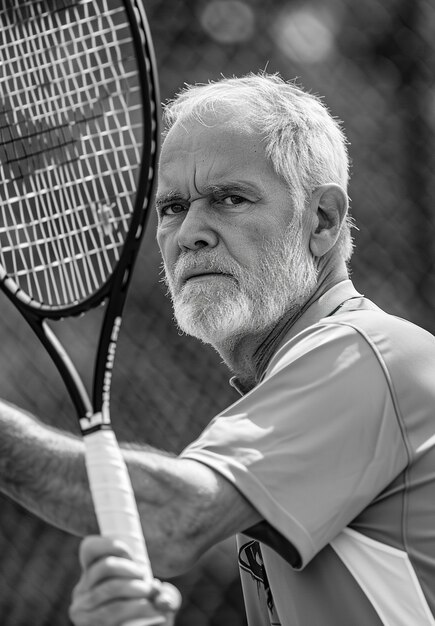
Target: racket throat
96	421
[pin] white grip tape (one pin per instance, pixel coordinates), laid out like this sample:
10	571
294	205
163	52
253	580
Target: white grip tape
113	496
147	621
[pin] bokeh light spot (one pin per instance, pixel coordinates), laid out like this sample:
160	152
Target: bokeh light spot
305	35
228	21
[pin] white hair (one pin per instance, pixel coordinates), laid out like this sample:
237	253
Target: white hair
304	142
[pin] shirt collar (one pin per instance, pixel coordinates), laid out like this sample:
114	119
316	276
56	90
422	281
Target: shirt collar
324	306
291	325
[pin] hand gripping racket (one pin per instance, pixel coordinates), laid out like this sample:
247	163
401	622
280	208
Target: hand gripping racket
79	125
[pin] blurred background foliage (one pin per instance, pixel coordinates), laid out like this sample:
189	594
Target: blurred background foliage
373	62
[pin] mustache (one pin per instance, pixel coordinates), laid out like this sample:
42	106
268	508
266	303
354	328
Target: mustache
188	263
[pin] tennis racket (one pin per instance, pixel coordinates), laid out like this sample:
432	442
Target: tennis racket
79	126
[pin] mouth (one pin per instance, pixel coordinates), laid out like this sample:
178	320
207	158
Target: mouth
205	276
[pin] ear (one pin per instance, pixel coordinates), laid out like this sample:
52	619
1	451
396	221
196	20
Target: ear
328	207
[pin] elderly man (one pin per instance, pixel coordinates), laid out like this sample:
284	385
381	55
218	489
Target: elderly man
325	467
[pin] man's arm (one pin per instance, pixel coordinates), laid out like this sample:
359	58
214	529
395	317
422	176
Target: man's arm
185	506
44	470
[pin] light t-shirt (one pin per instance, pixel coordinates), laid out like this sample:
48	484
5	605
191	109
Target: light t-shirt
335	448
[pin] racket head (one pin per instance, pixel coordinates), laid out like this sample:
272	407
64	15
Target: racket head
79	135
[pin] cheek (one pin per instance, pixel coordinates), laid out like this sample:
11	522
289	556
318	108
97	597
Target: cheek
247	253
167	248
160	240
256	240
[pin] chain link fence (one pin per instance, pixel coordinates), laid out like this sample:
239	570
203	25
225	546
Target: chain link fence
373	62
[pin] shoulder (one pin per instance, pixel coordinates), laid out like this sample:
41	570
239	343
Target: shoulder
366	359
359	329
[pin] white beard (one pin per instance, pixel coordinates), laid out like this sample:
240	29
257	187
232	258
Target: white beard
221	310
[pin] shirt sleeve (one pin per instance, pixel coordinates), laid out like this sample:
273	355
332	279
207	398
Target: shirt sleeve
314	443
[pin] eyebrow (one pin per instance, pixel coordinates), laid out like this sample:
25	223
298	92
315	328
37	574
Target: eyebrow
164	198
217	188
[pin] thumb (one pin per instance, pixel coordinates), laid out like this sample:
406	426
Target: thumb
95	547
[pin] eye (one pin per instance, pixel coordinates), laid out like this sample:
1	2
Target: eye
172	209
233	200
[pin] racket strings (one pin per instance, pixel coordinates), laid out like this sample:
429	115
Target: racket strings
59	71
70	145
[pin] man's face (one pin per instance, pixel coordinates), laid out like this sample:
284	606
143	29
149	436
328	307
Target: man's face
234	248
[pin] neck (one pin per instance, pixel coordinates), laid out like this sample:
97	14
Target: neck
245	355
238	354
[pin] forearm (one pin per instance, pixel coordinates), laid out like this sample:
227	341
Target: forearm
43	469
184	506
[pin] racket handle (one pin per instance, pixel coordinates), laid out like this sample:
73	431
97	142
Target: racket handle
113	496
115	504
146	621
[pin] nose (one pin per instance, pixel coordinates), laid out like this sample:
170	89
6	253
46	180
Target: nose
196	230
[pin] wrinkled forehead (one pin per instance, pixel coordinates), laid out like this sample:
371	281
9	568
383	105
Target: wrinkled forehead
216	152
216	143
219	119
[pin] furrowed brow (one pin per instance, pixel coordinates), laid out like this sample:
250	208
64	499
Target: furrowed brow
232	187
167	198
228	187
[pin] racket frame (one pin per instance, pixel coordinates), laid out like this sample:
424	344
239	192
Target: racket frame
115	288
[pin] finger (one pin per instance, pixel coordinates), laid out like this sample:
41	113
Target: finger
168	599
112	590
164	596
111	568
97	566
95	547
114	613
